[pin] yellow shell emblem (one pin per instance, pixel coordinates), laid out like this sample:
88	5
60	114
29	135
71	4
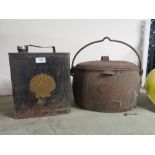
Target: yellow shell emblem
42	85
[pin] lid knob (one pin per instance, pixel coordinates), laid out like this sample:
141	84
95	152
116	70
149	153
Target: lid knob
105	58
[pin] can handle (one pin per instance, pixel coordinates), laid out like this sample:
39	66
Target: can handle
25	50
112	40
53	47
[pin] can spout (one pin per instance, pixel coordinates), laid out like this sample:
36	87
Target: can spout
22	49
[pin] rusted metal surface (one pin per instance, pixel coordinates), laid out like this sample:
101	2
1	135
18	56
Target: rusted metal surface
106	86
107	92
40	88
106	65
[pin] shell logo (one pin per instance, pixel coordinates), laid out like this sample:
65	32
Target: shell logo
42	85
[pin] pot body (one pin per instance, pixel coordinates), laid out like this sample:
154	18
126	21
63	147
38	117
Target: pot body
106	91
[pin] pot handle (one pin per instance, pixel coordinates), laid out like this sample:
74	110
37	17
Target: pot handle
25	50
112	40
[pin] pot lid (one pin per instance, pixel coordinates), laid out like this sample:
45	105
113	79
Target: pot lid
105	64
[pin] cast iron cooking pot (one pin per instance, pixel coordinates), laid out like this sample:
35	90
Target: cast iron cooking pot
106	86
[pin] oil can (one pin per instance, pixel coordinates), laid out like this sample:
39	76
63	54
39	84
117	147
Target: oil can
40	82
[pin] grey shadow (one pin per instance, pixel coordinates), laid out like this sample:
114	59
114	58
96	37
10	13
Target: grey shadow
72	101
145	103
7	106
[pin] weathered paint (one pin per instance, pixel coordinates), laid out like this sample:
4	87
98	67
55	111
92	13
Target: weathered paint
24	67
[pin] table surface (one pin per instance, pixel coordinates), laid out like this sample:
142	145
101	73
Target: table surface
81	122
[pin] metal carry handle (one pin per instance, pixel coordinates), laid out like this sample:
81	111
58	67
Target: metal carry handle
24	49
98	41
53	47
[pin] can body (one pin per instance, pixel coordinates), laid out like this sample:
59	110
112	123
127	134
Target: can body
40	83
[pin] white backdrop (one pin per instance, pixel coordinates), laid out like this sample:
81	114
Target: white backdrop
68	36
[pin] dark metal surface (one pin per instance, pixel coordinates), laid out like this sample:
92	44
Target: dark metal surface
45	101
106	86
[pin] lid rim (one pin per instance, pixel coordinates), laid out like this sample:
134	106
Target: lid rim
107	65
108	69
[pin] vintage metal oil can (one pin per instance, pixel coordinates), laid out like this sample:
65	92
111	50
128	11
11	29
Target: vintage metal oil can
40	82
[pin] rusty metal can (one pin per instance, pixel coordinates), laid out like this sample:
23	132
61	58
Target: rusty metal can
40	82
106	86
